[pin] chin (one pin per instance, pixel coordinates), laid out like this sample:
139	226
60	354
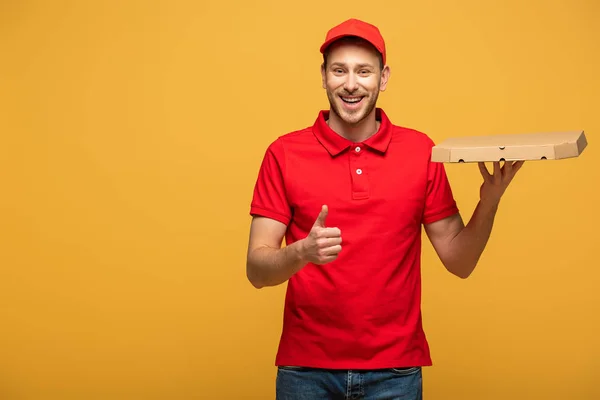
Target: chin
354	118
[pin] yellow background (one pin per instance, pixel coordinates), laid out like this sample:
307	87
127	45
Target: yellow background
131	135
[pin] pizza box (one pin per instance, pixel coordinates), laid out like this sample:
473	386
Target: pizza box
510	147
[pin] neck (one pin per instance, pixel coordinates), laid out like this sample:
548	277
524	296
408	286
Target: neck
358	132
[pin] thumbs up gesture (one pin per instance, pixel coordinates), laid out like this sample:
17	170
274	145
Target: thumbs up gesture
323	244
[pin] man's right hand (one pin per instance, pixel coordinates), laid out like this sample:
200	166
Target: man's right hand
323	244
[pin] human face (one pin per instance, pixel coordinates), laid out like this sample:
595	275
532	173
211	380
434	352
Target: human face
353	78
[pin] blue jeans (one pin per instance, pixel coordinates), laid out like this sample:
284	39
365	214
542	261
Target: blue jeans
299	383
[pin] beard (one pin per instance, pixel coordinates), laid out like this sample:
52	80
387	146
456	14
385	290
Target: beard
352	117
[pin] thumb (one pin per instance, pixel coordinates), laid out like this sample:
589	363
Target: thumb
322	216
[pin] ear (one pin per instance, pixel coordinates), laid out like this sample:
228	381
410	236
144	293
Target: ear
385	76
323	77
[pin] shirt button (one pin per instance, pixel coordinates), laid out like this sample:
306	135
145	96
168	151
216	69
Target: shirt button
357	149
359	171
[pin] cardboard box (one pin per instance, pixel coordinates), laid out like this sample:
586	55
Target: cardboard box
526	146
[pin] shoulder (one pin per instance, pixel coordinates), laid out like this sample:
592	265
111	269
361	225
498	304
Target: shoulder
416	139
412	134
297	136
287	141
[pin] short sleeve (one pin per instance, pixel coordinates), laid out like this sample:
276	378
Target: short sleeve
439	201
269	198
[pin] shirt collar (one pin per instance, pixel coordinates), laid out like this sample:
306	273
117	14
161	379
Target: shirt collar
335	144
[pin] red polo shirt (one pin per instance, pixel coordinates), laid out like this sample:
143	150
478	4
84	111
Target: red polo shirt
364	309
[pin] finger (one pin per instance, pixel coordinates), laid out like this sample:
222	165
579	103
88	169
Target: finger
484	171
518	166
330	251
515	166
329	241
330	233
327	260
322	216
507	169
497	173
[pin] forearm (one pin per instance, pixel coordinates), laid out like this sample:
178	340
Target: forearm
468	245
267	266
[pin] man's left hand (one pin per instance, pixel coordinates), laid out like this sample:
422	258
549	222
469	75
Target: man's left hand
494	185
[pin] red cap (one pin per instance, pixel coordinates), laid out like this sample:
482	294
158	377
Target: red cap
355	27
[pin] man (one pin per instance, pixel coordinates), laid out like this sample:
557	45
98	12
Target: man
350	194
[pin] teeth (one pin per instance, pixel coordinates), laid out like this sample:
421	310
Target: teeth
351	100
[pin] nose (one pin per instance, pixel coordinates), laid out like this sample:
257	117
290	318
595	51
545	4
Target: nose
351	83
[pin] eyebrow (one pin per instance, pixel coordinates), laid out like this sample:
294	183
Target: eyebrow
363	65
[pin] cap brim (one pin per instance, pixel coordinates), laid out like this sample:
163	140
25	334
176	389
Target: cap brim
325	45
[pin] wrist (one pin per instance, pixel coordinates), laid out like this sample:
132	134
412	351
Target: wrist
489	204
297	251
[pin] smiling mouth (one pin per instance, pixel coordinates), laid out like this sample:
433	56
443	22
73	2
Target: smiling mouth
351	100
